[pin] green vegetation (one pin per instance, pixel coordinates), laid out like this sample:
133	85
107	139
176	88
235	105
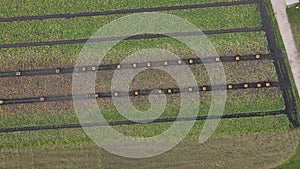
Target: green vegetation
236	73
59	113
78	28
230	148
242	101
65	55
11	8
295	23
280	44
293	14
292	163
72	136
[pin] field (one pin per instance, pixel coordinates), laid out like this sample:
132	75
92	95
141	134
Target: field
232	148
37	110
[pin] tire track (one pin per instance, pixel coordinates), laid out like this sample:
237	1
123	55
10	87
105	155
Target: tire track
128	122
188	61
136	37
281	68
137	93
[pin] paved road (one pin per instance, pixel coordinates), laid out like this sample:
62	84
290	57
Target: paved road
279	7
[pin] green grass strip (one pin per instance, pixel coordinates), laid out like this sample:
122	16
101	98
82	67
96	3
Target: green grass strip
11	8
80	28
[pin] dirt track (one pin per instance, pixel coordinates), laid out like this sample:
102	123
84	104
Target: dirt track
279	7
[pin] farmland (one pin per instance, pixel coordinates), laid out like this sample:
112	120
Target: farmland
269	106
